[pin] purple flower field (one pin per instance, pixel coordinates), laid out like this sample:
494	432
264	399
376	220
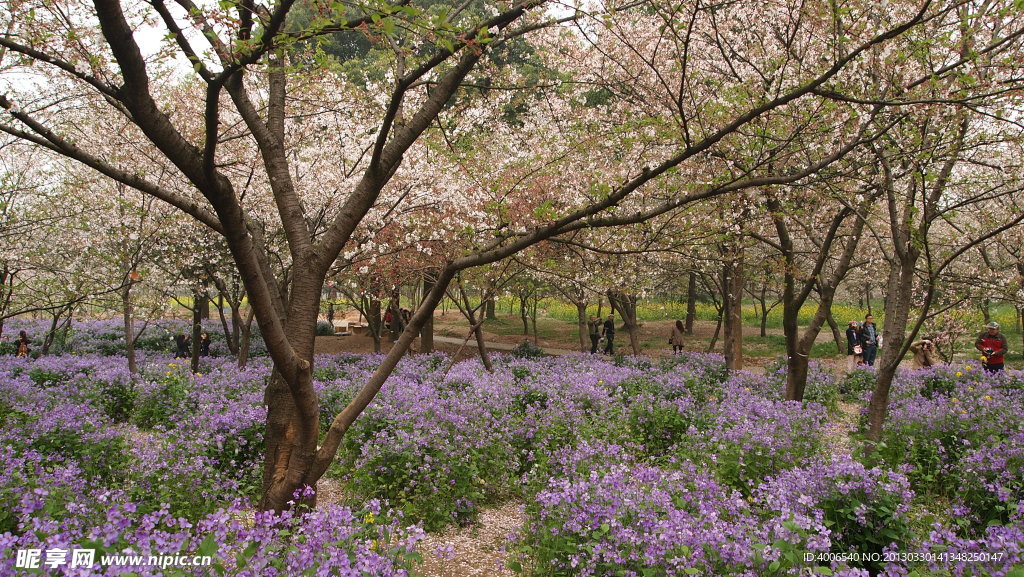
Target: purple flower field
635	468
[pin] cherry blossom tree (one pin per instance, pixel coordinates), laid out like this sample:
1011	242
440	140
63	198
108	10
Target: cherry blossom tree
658	96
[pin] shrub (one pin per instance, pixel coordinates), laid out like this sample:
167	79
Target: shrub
528	350
931	436
622	518
855	508
324	329
855	384
165	400
991	488
101	456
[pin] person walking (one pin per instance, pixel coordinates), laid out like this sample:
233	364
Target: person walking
23	344
993	346
594	329
608	332
854	351
924	353
676	340
869	340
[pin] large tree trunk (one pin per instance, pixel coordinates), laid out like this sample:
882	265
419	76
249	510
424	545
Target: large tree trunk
374	320
897	312
732	297
691	303
293	409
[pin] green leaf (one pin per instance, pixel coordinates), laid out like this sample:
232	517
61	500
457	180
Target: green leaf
208	547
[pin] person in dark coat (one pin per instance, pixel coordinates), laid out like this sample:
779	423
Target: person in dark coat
594	329
869	340
854	352
608	332
183	346
204	345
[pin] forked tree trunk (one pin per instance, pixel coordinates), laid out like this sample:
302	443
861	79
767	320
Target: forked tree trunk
625	305
837	335
293	411
717	333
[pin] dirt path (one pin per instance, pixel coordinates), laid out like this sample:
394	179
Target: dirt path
839	434
475	550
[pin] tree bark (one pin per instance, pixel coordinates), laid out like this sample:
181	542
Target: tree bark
581	322
427	332
625	305
837	335
732	298
691	303
897	312
374	320
524	313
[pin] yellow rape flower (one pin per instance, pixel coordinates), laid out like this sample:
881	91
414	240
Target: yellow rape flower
988	397
955	400
959	374
369	519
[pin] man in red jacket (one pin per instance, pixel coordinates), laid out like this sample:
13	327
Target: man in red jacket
992	345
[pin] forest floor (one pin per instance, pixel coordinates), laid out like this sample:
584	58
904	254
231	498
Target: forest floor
480	549
558	337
